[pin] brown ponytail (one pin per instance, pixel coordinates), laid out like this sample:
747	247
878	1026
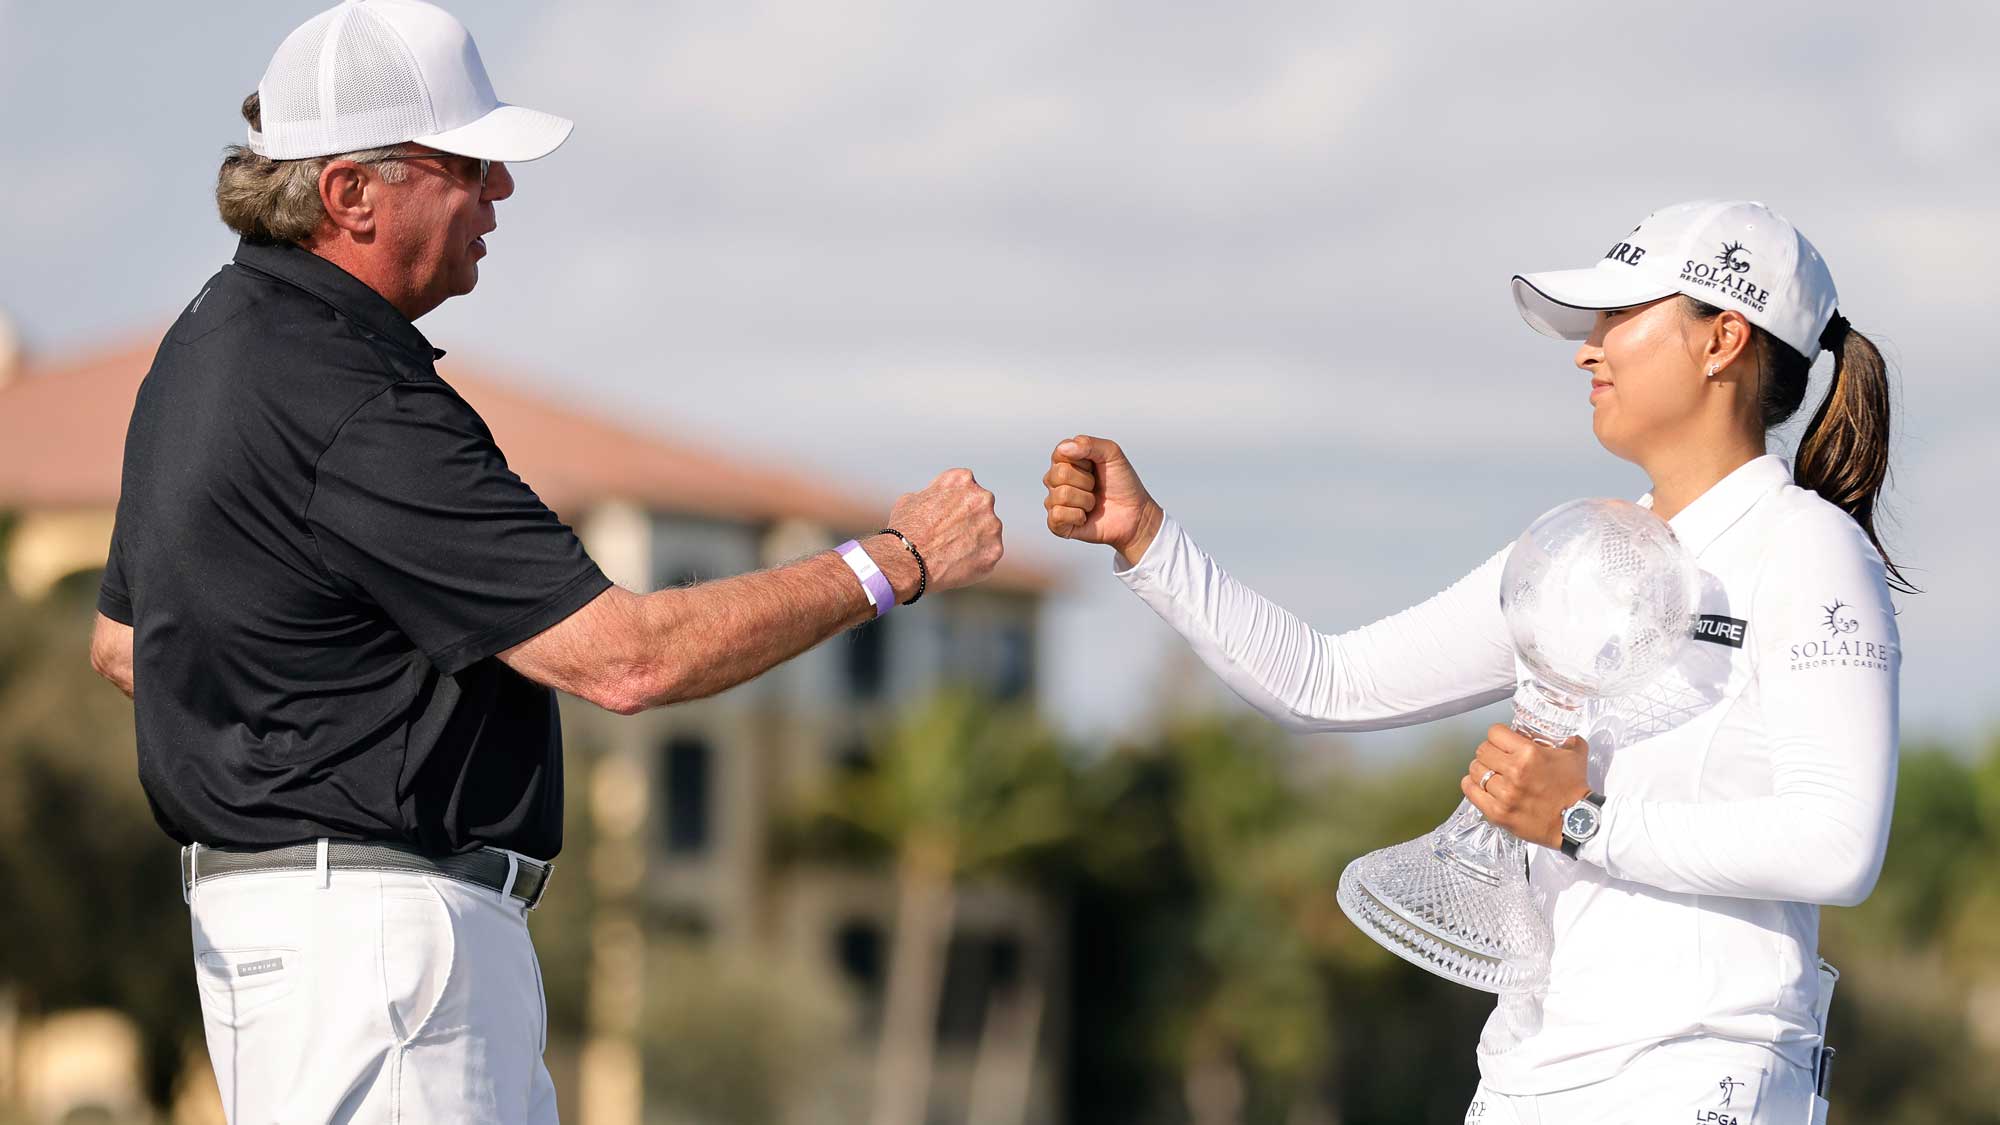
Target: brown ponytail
1844	453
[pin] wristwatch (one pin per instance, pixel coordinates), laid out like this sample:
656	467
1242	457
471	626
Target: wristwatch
1581	821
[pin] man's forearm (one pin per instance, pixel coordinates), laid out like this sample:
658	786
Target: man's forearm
627	652
711	637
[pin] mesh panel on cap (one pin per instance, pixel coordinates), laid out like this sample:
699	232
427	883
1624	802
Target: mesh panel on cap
289	93
381	99
343	81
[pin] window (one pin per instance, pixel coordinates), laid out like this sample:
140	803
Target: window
854	756
868	660
994	657
978	971
859	949
1014	670
688	770
857	945
671	574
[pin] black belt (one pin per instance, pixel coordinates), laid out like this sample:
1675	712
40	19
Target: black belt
492	868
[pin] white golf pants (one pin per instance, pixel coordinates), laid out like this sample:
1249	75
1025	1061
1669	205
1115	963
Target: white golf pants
363	997
1683	1082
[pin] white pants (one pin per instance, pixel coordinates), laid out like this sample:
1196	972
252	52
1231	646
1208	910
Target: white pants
1681	1082
378	997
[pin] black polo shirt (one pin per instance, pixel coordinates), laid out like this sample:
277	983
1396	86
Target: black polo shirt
320	549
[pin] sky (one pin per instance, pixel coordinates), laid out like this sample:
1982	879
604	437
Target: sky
1265	246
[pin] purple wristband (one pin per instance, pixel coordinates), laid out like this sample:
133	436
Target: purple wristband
874	583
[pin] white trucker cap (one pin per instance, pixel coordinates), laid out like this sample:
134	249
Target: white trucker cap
1730	254
372	73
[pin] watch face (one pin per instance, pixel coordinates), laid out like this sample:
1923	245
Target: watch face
1580	822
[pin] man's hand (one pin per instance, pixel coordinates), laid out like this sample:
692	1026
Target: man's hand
1095	496
1532	783
952	522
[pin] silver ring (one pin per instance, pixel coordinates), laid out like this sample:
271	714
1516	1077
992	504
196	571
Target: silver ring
1484	779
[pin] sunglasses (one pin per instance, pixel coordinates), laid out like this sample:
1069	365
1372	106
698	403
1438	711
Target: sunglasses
485	165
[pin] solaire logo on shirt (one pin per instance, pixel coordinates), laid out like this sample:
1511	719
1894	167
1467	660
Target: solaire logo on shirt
1719	630
1839	619
1730	276
1840	650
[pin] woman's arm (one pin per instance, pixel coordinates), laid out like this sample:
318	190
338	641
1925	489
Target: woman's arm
1448	655
1442	657
1828	660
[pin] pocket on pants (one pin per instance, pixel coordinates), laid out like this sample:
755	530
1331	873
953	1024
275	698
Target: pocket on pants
419	957
236	984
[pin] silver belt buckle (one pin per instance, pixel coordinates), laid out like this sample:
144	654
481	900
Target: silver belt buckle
548	872
517	864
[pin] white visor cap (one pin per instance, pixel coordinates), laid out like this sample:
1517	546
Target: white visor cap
1730	254
373	73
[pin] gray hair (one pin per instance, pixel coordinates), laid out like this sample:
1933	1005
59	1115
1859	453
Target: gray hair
270	201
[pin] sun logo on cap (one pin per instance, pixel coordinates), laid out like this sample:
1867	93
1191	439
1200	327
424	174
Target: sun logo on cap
1729	258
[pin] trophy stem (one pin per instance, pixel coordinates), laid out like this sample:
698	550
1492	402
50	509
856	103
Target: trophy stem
1476	846
1546	714
1468	841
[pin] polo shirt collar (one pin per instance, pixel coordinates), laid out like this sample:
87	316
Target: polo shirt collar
349	295
1726	501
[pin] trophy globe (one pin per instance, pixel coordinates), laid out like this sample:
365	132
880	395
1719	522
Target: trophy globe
1598	597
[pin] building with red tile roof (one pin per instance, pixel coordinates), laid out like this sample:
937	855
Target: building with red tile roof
62	439
683	802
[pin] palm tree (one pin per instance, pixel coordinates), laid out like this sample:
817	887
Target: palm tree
1258	1021
961	786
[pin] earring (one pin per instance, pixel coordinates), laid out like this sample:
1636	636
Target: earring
1711	371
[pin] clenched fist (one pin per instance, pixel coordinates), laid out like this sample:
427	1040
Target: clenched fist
1094	495
953	524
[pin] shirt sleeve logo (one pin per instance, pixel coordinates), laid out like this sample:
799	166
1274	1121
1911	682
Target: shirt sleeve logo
1841	649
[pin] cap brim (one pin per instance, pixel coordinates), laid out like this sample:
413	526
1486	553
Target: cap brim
510	132
1565	303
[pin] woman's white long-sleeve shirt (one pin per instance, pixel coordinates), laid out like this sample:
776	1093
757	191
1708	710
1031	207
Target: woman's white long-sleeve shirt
1748	784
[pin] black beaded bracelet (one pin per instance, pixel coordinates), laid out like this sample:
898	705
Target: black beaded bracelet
923	572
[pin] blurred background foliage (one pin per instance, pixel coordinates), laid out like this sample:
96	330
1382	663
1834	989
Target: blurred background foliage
1212	978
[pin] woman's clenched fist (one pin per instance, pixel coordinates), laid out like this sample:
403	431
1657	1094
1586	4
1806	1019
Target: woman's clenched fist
1094	495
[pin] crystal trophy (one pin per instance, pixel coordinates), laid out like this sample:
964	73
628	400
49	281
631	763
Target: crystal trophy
1598	597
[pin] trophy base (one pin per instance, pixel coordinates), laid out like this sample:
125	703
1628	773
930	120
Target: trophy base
1445	920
